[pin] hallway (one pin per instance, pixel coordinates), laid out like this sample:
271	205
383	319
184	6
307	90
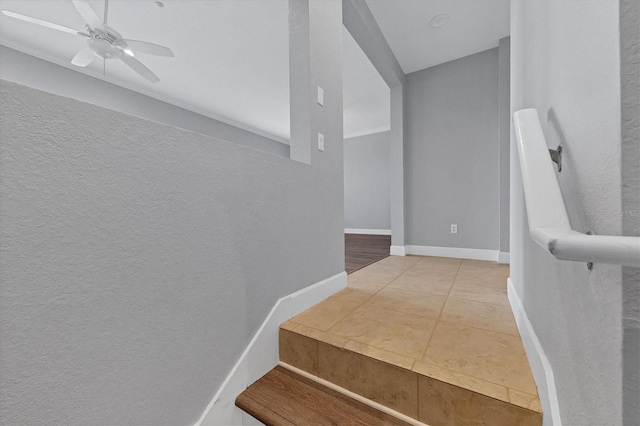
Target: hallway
432	323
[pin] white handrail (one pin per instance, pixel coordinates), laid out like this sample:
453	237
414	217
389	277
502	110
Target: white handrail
548	220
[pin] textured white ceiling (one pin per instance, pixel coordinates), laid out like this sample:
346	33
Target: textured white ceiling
231	58
474	26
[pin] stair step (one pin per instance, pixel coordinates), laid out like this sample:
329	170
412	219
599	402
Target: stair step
433	399
284	398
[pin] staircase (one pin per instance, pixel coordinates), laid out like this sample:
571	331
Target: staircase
284	398
428	340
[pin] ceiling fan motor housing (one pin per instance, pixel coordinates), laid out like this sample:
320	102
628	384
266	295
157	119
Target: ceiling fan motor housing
106	43
102	41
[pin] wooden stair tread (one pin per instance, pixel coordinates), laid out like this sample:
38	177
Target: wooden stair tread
284	398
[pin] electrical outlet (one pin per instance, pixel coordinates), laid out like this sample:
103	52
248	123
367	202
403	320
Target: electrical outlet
454	228
320	142
320	96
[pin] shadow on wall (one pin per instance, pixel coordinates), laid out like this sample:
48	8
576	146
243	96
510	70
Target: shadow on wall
580	218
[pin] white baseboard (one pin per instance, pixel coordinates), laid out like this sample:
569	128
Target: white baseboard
540	366
367	231
504	257
455	252
261	355
398	251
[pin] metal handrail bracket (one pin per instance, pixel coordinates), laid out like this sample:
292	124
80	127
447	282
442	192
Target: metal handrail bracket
548	220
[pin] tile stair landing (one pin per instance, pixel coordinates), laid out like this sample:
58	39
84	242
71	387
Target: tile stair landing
432	338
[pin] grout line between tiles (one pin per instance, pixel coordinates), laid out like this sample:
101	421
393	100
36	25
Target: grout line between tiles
485	395
439	316
482	301
349	313
473	377
416	292
417	393
478	328
399	275
403	312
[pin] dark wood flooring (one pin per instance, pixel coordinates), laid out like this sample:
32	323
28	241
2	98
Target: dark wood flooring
284	398
362	250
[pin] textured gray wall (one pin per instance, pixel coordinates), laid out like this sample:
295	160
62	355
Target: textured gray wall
138	259
452	153
366	182
630	175
504	118
34	72
565	63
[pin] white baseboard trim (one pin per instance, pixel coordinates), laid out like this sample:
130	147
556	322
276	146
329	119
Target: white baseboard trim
455	252
398	251
540	366
504	257
261	355
367	231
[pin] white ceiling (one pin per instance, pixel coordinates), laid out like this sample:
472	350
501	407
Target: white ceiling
474	26
231	58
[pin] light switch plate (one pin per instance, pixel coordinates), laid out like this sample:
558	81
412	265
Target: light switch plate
320	96
320	142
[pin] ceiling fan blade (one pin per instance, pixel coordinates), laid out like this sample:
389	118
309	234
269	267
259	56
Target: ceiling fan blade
83	58
40	22
88	14
138	67
150	48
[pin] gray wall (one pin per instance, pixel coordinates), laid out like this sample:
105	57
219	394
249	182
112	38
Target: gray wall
138	259
504	118
566	64
452	153
367	202
34	72
365	30
630	175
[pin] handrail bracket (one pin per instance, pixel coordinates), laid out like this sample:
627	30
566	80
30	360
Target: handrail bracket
556	156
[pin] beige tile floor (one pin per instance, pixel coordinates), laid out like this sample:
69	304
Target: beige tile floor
448	319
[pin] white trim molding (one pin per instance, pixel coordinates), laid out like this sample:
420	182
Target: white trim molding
261	355
504	257
367	231
367	132
398	251
540	366
455	252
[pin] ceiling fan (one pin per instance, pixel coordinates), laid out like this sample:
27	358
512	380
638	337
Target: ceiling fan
103	41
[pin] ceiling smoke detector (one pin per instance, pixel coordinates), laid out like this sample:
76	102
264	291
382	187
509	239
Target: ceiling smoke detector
439	21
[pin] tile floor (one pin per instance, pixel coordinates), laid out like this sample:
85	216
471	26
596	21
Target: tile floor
444	319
